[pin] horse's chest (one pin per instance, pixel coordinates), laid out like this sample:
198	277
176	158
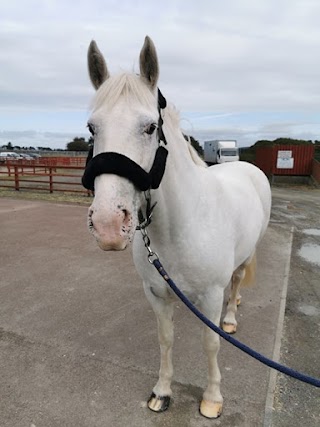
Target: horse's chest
193	270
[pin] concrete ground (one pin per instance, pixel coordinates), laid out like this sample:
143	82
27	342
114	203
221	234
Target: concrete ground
295	403
78	343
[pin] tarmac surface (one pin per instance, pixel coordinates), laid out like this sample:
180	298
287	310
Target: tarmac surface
78	340
296	403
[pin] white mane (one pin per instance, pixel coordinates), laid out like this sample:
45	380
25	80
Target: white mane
172	119
126	85
195	156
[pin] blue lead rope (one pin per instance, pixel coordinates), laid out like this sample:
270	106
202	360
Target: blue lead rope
285	370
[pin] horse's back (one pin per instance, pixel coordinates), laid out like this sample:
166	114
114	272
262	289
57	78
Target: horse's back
246	190
243	176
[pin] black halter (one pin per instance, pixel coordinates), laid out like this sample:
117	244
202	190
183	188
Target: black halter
118	164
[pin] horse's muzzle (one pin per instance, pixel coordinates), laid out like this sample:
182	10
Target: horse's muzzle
113	234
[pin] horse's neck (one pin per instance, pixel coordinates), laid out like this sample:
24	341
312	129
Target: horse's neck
182	173
181	187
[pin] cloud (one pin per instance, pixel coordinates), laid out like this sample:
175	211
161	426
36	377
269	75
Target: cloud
215	57
247	135
256	57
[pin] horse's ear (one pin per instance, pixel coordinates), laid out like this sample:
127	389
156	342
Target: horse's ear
97	66
149	66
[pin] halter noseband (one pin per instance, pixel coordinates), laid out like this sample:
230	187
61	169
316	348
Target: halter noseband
119	164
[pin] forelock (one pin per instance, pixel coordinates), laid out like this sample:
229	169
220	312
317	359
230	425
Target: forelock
127	86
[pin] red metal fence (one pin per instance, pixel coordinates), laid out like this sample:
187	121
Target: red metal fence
285	159
63	161
51	174
64	173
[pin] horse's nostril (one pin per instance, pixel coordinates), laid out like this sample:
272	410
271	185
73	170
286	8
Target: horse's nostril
125	213
90	222
127	217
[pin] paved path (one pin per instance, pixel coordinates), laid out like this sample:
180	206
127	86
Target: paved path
78	344
295	403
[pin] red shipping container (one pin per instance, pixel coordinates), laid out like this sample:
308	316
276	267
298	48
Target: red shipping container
285	159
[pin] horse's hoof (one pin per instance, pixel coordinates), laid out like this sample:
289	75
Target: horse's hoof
229	328
210	409
158	403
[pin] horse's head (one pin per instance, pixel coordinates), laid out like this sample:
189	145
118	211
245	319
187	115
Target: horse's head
124	126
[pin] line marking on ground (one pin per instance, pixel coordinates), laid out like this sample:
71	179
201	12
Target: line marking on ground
277	343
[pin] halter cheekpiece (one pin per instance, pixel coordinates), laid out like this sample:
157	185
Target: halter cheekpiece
119	164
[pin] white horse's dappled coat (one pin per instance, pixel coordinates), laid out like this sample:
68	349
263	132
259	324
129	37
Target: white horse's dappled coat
205	227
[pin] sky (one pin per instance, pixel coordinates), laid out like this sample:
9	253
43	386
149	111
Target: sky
235	69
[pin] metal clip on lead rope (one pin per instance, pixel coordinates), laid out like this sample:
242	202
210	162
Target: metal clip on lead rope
152	256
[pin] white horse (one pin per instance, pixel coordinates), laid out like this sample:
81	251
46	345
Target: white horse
206	224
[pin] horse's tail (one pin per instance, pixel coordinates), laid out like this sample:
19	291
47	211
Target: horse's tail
250	272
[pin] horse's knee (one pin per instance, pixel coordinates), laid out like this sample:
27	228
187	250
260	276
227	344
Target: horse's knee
211	341
166	338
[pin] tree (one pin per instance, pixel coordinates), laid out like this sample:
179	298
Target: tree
195	144
78	144
282	141
44	149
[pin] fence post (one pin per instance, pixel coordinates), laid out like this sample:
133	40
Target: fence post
9	168
50	179
16	177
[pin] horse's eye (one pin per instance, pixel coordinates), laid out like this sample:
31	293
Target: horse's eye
91	128
151	128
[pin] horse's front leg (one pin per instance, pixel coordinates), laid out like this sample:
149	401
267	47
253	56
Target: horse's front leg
162	305
211	405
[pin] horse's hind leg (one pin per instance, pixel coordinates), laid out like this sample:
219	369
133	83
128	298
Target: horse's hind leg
243	275
160	398
229	324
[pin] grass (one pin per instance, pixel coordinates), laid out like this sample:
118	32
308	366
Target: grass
56	197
